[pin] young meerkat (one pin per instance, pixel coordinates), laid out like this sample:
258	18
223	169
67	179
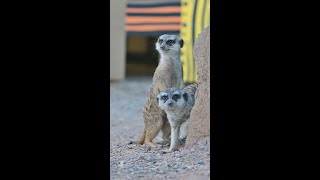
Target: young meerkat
177	103
169	73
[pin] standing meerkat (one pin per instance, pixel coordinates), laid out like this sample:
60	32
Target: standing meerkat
177	103
169	73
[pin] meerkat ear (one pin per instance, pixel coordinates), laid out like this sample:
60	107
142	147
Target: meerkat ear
181	43
185	96
157	99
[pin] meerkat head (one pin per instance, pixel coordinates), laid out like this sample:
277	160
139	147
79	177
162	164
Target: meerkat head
169	44
172	98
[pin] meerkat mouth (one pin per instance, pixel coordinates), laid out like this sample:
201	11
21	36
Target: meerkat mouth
170	108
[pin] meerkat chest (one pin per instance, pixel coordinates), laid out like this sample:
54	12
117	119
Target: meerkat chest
177	115
171	67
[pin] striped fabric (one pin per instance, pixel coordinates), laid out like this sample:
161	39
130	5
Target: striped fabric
153	17
195	17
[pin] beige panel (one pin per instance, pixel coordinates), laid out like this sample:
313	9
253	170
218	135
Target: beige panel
117	39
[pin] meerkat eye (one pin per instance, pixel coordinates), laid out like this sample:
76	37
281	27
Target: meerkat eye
160	41
164	97
169	42
176	96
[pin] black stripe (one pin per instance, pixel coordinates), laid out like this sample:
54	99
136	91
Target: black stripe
153	33
153	5
193	37
153	14
138	24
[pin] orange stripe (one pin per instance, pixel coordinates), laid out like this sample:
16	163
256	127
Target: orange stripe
173	9
153	28
143	19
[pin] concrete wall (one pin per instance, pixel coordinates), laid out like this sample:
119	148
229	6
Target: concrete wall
117	39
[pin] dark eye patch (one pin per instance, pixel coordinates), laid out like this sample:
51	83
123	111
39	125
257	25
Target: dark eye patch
185	96
170	42
160	41
176	97
164	98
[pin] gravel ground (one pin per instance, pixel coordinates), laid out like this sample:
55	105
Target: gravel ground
131	161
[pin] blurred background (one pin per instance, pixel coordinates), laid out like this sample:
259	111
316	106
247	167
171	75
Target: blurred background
135	28
136	25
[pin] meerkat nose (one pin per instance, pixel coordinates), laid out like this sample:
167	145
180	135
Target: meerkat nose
170	104
162	47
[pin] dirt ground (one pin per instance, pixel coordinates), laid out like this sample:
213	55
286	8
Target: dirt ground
130	161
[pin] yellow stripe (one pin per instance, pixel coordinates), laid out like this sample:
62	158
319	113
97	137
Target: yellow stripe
190	75
207	15
198	25
185	35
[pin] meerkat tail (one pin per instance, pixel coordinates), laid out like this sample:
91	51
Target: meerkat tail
141	141
143	137
192	87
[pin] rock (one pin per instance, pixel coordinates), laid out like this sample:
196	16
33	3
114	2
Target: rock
146	148
131	146
200	114
202	148
178	155
121	165
161	171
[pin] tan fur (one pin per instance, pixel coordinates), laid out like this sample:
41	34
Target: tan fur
168	74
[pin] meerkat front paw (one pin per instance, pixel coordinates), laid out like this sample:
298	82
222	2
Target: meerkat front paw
167	151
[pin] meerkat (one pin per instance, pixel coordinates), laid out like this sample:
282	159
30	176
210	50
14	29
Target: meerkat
177	103
169	73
